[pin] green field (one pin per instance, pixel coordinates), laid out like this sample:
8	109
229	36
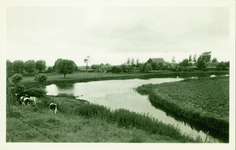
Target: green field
205	100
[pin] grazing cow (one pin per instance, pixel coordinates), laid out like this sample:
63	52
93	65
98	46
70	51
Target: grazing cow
53	107
26	100
32	99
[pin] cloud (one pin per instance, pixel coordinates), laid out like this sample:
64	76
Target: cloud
116	30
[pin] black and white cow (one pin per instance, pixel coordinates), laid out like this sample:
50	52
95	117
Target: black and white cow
32	99
53	107
27	100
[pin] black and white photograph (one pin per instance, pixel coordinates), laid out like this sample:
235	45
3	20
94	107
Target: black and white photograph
119	75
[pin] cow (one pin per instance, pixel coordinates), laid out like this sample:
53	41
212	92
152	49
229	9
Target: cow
27	100
53	107
32	99
24	100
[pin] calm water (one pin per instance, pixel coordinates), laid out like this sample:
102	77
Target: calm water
117	94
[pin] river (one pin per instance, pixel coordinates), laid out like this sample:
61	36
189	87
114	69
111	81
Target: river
117	94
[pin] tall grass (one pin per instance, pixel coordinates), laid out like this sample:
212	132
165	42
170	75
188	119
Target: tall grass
127	119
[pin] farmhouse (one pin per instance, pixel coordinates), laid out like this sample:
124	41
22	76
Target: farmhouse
158	60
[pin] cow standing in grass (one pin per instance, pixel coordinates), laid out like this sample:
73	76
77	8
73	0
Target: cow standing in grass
27	100
53	107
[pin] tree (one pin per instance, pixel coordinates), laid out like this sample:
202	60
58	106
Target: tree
203	59
190	60
40	65
195	59
128	61
16	78
154	65
40	79
159	65
148	67
132	62
149	60
86	60
105	67
18	66
49	70
29	66
9	67
173	64
184	63
214	60
95	67
222	65
65	66
116	69
137	62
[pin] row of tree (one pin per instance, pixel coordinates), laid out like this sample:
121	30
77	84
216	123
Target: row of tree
204	61
65	66
29	66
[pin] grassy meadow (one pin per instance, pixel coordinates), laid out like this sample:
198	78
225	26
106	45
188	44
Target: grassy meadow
204	100
79	121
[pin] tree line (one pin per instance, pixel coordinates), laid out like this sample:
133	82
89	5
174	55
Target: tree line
65	66
203	62
30	66
62	66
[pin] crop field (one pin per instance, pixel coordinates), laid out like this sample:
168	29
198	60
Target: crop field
204	100
211	95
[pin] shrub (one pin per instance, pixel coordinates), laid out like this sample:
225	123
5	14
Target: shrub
19	88
40	79
37	92
116	69
16	78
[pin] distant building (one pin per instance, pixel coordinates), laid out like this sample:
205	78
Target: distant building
158	60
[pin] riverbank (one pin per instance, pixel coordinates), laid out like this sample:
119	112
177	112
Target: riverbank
204	100
79	121
54	78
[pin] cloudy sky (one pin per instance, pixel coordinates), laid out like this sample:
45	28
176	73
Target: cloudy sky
114	34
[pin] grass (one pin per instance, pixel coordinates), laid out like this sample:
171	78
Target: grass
79	121
204	101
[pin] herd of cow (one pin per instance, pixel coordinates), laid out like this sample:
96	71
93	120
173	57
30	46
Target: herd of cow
25	99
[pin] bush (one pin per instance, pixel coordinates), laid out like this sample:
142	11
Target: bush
16	78
37	92
40	79
116	69
19	88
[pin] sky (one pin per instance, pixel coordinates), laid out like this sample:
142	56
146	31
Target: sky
114	34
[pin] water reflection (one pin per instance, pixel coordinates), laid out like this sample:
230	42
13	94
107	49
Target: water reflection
59	89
